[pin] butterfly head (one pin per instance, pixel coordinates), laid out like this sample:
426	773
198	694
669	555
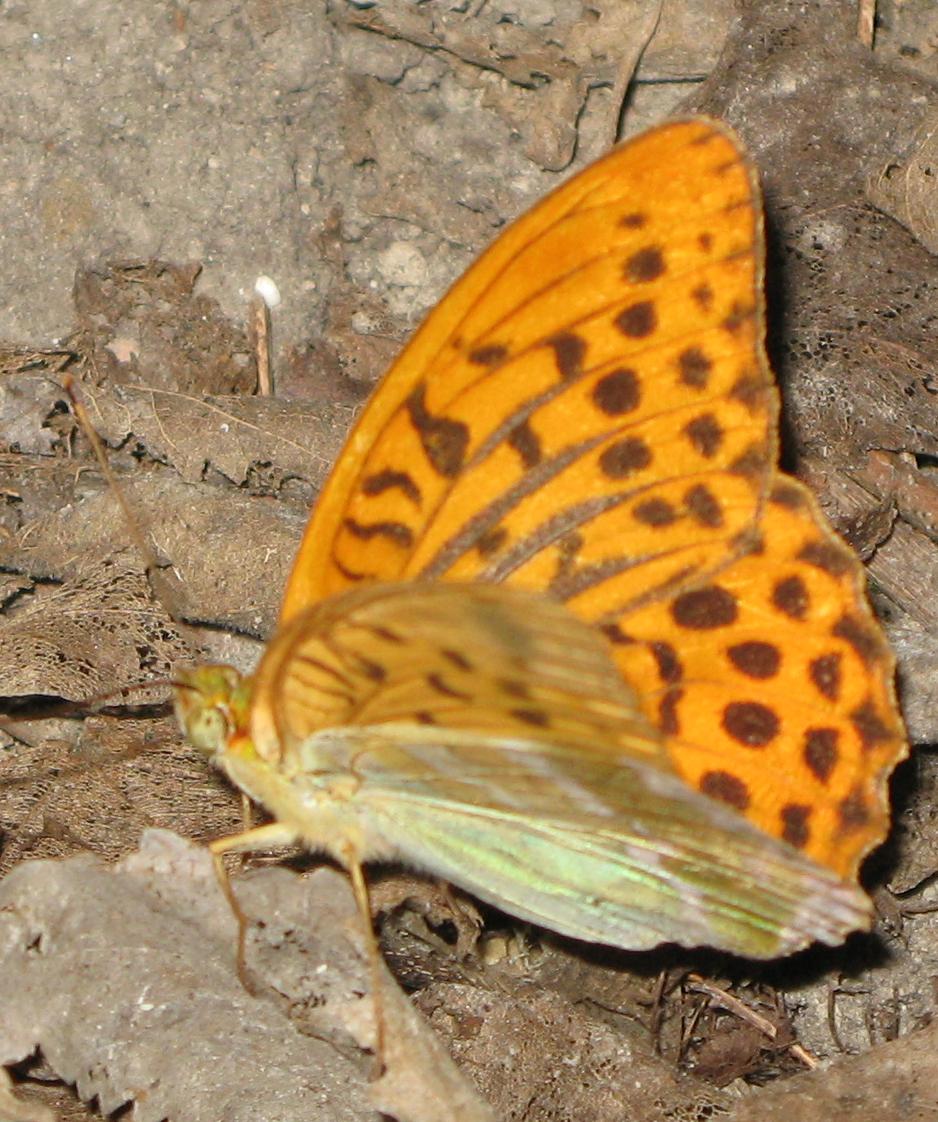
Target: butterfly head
211	704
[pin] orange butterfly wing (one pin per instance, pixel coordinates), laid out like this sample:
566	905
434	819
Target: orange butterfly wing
589	412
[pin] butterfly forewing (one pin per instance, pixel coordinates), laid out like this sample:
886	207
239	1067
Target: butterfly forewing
773	685
553	420
589	412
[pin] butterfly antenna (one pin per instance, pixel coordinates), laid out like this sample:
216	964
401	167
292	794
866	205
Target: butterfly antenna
81	415
40	708
152	566
124	692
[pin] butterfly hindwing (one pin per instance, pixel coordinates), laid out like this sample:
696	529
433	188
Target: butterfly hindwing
559	807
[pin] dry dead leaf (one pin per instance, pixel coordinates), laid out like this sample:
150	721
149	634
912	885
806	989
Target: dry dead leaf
92	634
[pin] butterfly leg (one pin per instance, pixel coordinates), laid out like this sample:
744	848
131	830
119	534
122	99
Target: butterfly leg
272	836
275	835
247	813
350	859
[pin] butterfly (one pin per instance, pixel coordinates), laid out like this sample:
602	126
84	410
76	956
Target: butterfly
559	631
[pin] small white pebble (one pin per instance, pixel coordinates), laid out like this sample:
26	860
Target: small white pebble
268	291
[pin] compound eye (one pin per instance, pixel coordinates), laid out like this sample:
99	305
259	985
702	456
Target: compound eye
208	729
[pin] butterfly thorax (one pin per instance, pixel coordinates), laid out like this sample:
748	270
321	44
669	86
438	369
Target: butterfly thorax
315	793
